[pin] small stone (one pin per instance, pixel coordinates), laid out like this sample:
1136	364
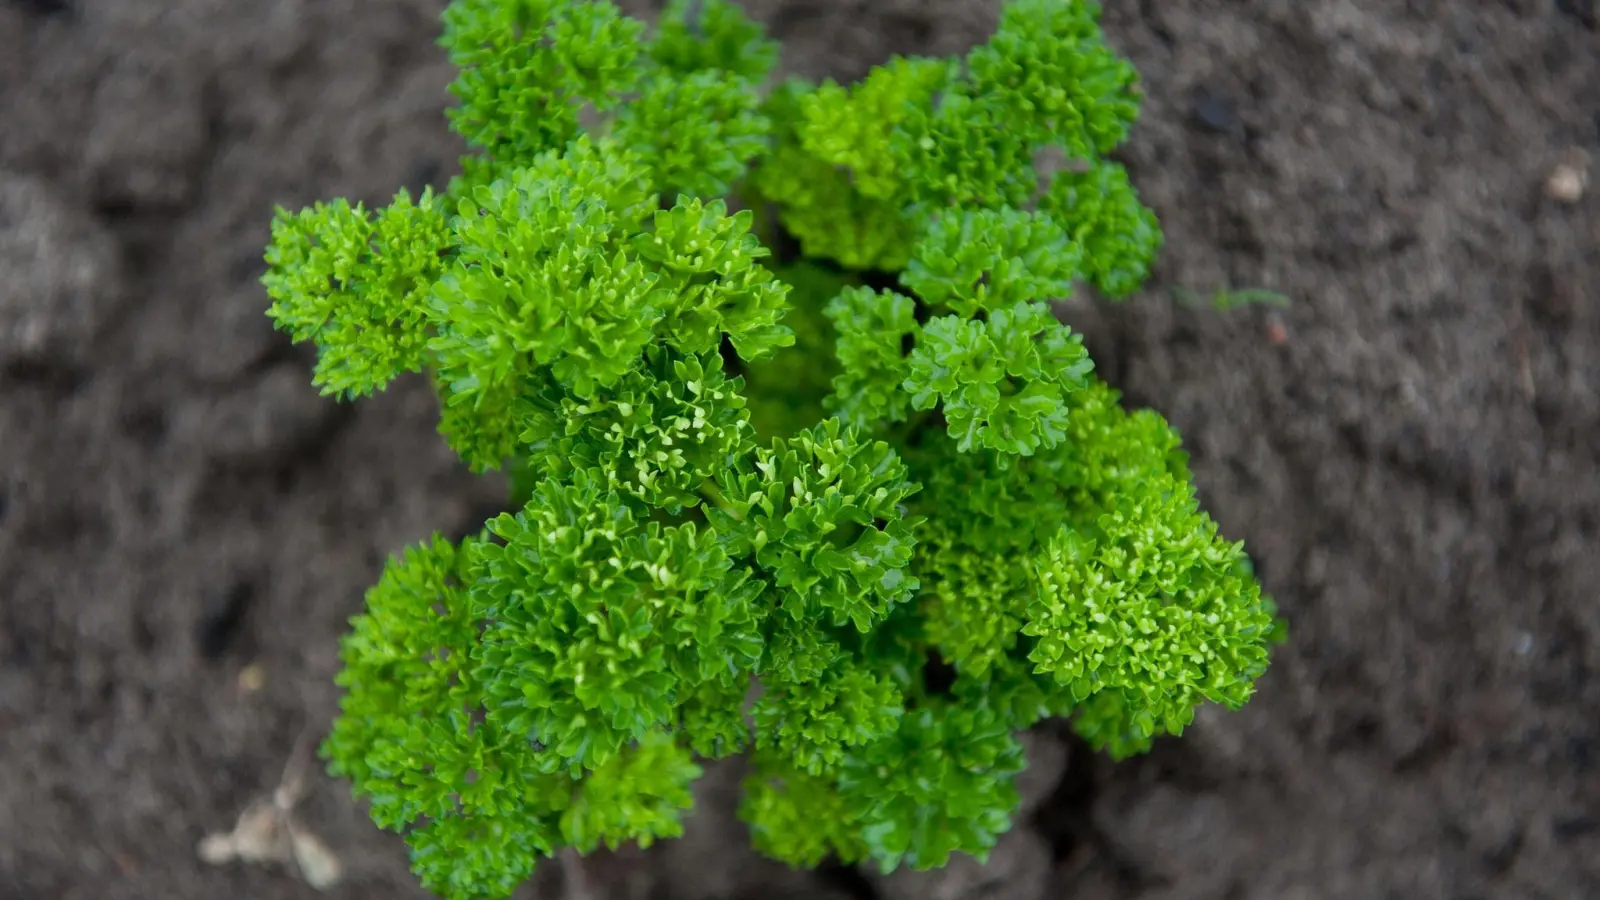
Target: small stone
252	678
1570	178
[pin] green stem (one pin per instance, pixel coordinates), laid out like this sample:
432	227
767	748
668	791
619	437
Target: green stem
715	497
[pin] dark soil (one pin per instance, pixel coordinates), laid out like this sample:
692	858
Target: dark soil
1410	450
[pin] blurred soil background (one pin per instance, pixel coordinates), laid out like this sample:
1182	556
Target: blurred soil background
1411	450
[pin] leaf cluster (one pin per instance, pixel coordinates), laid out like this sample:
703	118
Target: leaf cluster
857	171
865	515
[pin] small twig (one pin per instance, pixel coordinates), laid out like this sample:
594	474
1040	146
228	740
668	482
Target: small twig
1519	351
292	785
1224	299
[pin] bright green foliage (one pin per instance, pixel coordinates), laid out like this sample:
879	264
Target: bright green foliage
873	328
536	74
475	800
697	35
357	285
855	128
945	781
637	797
964	152
866	514
1047	66
854	171
821	514
540	274
816	720
799	818
528	67
596	619
709	261
697	131
1151	603
985	260
653	436
845	200
1119	236
1003	383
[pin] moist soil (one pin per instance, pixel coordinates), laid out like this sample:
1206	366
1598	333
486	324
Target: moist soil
1409	449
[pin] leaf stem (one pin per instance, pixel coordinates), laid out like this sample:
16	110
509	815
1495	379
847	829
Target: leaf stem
714	496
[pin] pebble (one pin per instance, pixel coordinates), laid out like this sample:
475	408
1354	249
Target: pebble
1568	181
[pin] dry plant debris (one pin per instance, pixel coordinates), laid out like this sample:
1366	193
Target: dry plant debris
267	832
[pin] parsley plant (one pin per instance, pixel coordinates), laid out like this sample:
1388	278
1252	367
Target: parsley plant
761	500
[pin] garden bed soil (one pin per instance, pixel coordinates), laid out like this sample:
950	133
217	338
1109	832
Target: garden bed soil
1409	449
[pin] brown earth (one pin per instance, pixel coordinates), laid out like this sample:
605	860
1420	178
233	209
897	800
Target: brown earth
1410	450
